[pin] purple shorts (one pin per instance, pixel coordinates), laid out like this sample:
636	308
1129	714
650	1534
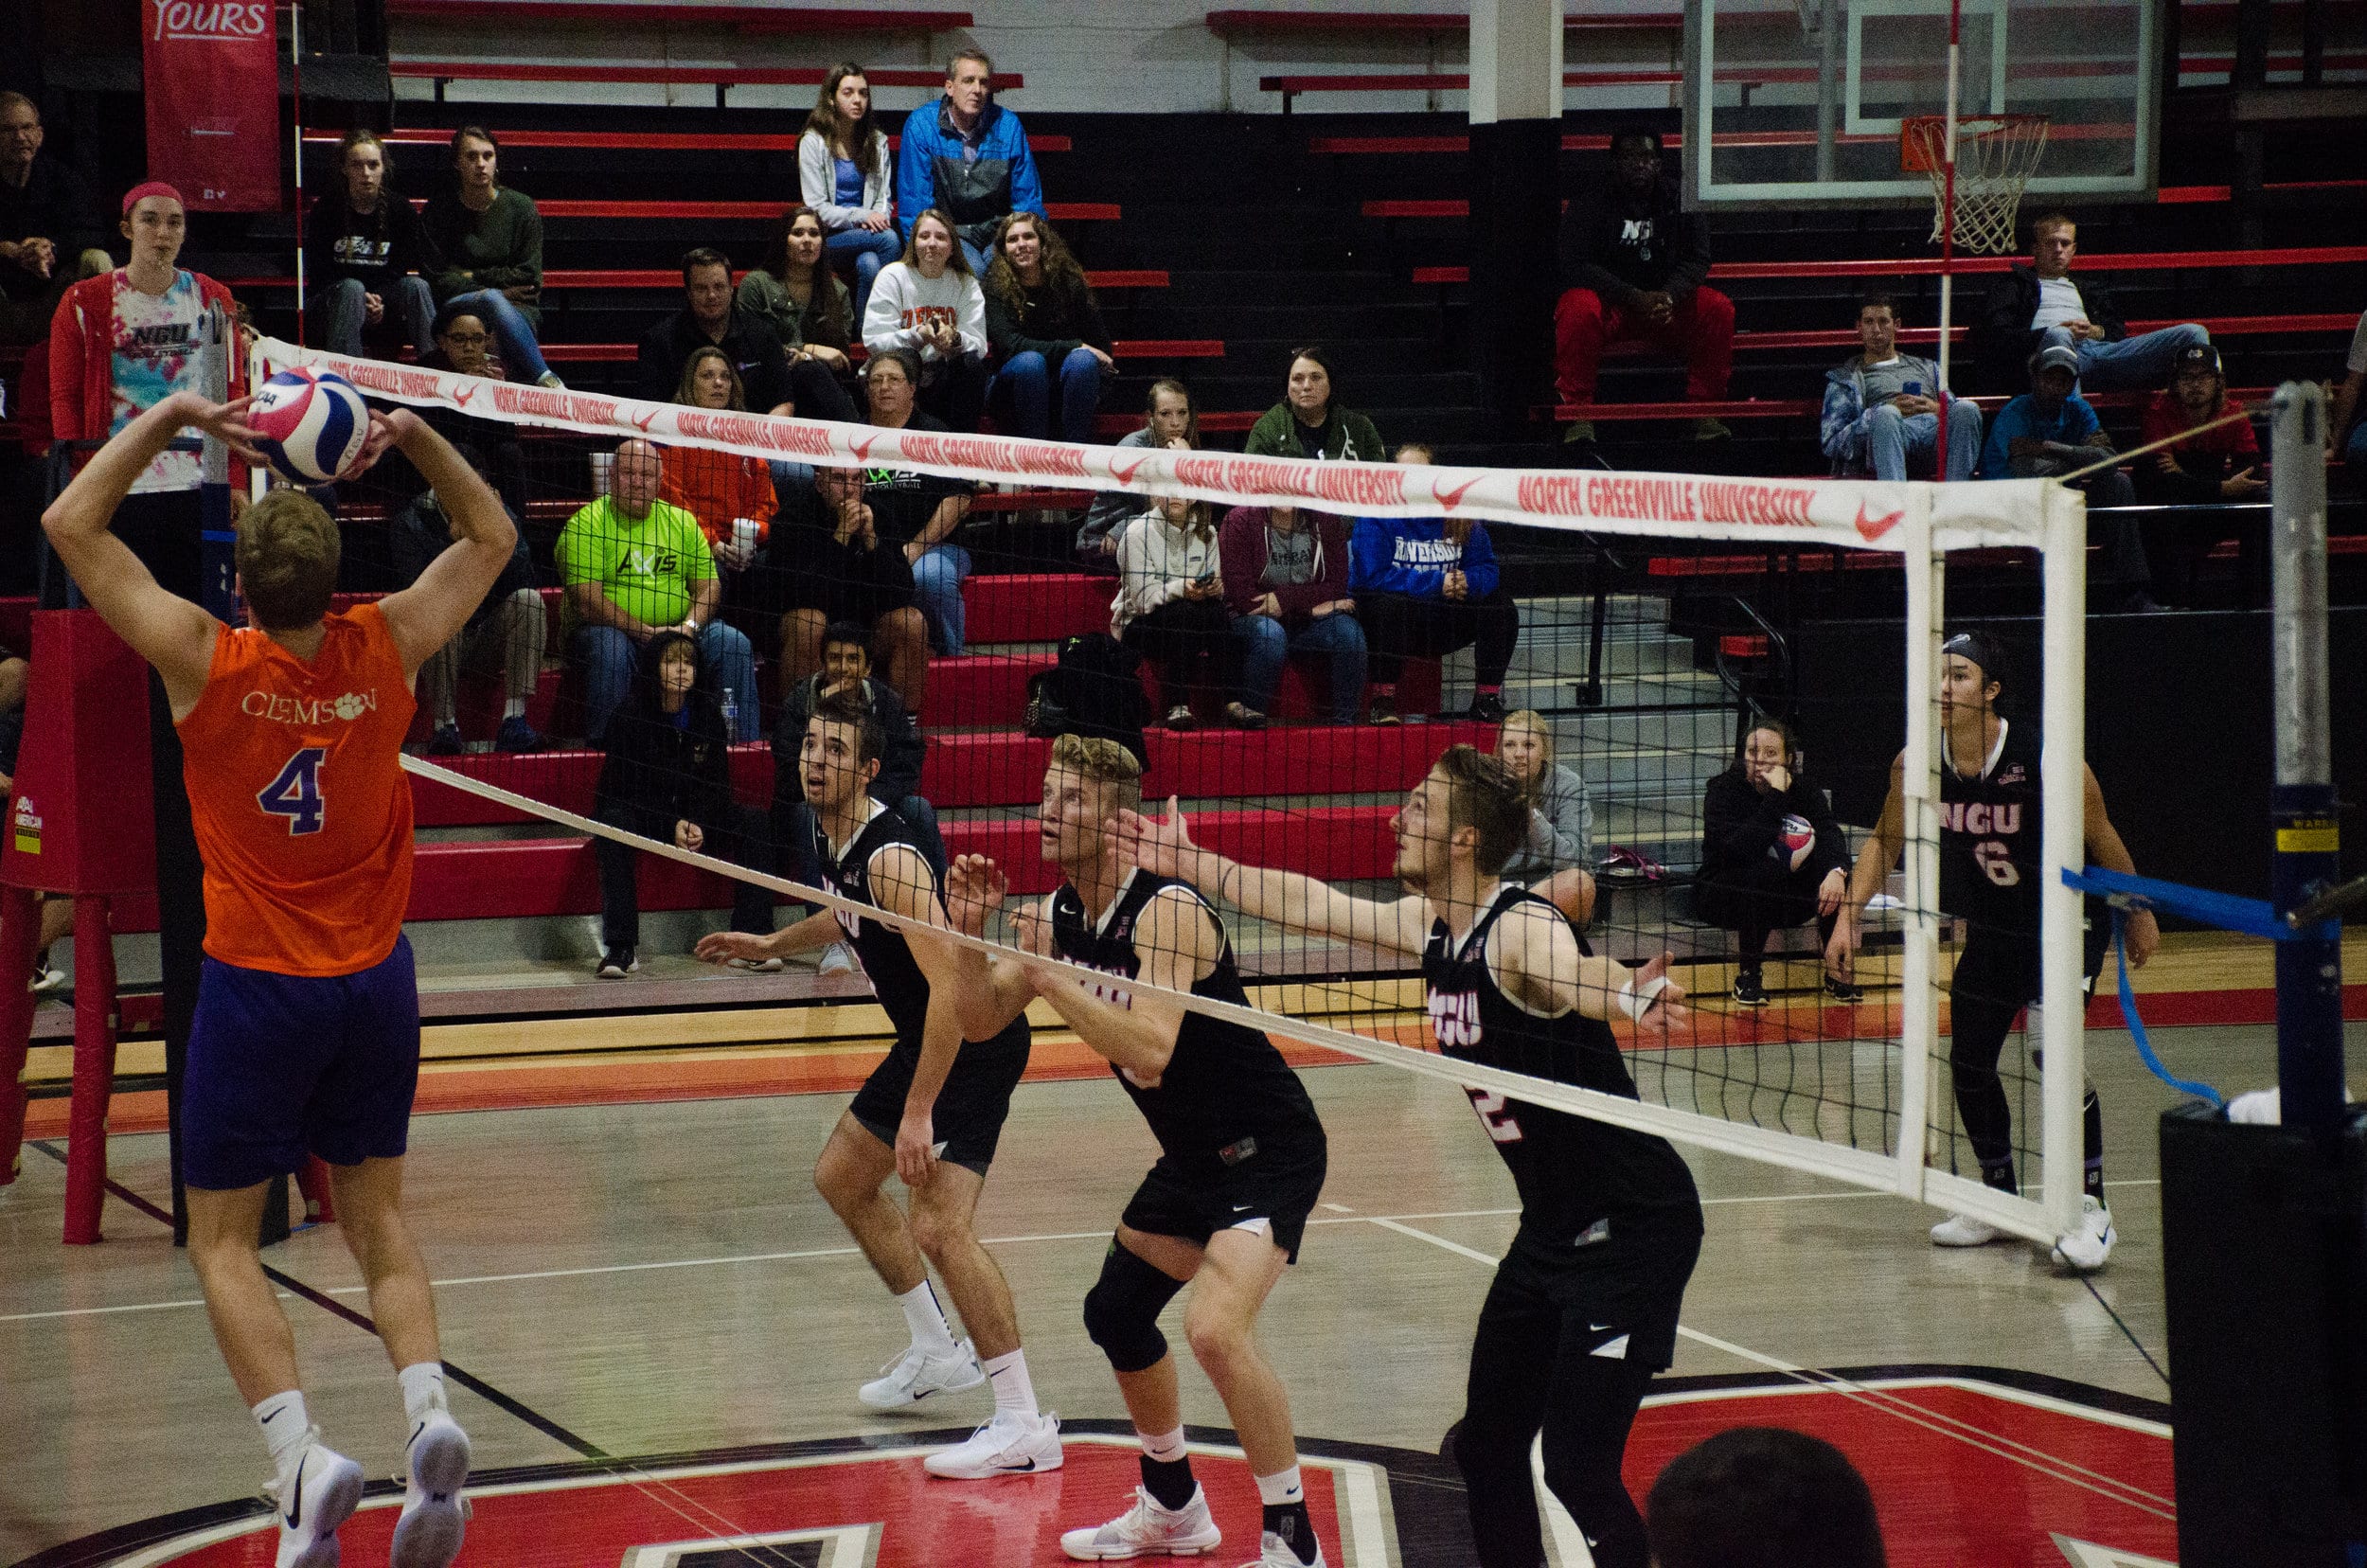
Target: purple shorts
285	1065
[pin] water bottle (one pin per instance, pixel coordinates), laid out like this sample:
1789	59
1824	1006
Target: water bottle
731	715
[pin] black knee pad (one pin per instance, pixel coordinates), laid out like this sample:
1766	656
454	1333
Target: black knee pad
1122	1310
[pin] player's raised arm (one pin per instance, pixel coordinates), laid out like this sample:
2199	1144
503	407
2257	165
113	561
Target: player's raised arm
1536	958
1874	865
1165	846
429	614
994	989
163	628
904	885
1177	944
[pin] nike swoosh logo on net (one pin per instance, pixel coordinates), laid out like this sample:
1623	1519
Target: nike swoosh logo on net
296	1493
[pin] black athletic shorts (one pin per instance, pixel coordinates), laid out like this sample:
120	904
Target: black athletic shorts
2000	966
970	1110
1275	1190
1627	1289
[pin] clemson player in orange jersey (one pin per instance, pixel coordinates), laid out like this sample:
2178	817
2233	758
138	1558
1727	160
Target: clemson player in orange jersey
307	1035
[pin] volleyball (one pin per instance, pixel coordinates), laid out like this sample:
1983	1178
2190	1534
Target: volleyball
310	425
1795	841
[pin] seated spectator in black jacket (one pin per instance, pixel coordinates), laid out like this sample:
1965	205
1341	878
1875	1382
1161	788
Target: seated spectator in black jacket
463	343
708	318
667	776
2199	471
1045	331
846	667
840	565
2037	305
363	253
919	513
1633	262
797	295
507	630
1763	1497
1772	857
50	233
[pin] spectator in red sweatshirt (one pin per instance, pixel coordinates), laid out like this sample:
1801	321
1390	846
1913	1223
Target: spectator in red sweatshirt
2200	472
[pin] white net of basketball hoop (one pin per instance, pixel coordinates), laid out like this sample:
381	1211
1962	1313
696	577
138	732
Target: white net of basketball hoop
1996	154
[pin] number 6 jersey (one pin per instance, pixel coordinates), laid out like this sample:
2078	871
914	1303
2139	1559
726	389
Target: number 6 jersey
1581	1181
1990	869
296	792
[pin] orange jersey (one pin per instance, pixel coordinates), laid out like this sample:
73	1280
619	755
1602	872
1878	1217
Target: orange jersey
295	783
717	487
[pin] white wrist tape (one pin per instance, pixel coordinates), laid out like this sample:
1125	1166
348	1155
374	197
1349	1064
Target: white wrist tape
1636	1004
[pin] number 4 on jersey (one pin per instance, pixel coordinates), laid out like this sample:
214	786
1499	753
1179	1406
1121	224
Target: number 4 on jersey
296	792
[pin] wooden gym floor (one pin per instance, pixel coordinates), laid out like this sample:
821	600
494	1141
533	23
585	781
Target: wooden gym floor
655	1282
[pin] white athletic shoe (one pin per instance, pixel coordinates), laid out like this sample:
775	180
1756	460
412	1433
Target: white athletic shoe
1148	1529
836	959
1275	1551
1009	1445
319	1496
758	965
2084	1250
915	1375
1963	1230
428	1533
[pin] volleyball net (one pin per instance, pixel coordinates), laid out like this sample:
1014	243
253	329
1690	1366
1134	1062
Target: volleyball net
1255	618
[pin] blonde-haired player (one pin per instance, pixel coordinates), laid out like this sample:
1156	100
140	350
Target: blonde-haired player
1241	1153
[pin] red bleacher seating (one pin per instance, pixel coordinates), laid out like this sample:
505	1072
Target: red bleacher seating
720	77
650	141
638	13
1060	212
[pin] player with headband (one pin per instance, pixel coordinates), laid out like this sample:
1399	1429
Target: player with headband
1991	871
1583	1308
1241	1153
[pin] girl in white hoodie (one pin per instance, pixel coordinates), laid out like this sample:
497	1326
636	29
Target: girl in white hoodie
1170	608
930	302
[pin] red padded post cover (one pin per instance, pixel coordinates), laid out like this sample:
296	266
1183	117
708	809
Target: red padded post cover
84	819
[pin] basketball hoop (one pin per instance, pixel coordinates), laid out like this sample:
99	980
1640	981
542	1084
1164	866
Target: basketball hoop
1996	154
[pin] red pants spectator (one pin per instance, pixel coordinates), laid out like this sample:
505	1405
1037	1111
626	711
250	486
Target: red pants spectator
1700	330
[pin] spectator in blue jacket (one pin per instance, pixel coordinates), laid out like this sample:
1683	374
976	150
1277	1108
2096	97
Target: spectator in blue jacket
967	155
2052	431
1882	406
1425	587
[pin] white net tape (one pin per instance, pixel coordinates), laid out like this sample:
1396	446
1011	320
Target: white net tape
1995	158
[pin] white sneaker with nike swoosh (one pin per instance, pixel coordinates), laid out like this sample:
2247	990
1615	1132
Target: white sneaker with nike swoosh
317	1497
1009	1445
1149	1530
428	1533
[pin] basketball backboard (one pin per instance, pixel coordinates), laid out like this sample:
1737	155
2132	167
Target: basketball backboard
1800	101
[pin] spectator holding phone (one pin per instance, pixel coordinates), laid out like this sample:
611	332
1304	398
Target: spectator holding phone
1285	583
1882	406
1170	607
1168	420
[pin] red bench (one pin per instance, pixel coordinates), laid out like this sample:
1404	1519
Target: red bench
723	77
1006	768
780	19
1124	349
1928	266
1759	408
650	141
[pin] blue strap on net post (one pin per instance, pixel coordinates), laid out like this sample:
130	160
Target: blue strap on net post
2250	917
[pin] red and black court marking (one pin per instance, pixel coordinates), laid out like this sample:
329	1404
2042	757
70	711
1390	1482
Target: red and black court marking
1968	1465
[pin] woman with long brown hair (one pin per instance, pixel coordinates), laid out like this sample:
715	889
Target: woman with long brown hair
796	292
1045	331
843	175
362	252
930	304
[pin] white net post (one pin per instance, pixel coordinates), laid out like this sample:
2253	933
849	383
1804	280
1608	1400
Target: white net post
1919	1021
2064	1011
